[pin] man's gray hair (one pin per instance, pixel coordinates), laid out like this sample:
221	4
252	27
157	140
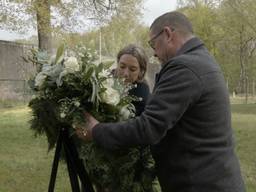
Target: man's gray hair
176	20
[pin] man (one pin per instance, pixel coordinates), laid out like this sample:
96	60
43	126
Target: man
187	119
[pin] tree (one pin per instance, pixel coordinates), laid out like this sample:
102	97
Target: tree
240	33
228	29
120	30
56	14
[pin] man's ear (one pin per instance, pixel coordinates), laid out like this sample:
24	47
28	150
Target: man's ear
169	33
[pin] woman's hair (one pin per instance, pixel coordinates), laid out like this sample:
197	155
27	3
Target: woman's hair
139	54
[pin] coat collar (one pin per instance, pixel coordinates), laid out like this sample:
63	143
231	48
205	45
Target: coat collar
191	44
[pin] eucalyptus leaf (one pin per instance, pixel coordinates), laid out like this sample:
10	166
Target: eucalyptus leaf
42	57
99	68
60	54
88	73
94	89
108	64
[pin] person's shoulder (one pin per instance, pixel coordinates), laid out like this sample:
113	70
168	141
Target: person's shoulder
141	89
200	64
142	85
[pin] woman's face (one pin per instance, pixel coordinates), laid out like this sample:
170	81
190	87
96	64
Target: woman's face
128	68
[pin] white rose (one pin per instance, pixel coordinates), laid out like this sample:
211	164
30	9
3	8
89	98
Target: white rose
71	65
77	103
108	83
39	80
62	115
110	96
125	113
33	97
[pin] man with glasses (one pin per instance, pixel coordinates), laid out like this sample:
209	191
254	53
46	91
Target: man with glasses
186	120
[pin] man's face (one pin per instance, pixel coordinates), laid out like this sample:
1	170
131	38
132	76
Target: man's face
157	43
161	44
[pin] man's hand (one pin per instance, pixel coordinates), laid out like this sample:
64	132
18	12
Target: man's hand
85	132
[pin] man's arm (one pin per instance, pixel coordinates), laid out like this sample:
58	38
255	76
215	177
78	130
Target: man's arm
177	88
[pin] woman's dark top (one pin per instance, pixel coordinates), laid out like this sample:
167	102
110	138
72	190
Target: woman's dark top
140	91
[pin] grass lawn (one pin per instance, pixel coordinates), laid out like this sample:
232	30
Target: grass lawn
244	124
25	164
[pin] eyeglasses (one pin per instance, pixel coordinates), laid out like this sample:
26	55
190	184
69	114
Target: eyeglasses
151	41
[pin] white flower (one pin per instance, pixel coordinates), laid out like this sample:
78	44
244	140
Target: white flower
108	83
71	65
33	97
80	54
62	115
110	96
77	103
125	113
39	80
104	73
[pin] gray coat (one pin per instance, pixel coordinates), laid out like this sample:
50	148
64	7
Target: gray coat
187	122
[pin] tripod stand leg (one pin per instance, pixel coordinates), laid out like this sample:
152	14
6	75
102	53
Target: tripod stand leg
55	163
75	165
72	171
79	166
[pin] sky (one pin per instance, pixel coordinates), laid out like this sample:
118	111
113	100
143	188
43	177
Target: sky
152	9
155	8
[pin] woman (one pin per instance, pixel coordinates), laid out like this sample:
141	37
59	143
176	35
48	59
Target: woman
132	65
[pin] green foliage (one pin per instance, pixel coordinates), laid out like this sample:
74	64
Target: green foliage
132	169
227	28
42	109
60	54
67	87
67	92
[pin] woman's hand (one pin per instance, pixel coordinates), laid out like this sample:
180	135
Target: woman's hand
85	132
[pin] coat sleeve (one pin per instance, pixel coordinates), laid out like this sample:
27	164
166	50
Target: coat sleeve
177	88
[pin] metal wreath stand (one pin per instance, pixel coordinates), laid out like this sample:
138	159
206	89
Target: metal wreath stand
75	165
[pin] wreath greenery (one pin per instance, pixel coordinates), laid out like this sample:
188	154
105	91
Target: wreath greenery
64	88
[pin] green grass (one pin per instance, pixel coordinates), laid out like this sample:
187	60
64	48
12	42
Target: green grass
25	164
244	124
10	103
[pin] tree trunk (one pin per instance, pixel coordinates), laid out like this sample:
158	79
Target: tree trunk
253	88
246	89
44	25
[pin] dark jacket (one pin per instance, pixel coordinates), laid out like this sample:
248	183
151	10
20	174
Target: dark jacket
141	91
187	121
